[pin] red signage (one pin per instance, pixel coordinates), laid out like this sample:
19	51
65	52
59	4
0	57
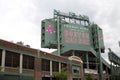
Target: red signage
76	37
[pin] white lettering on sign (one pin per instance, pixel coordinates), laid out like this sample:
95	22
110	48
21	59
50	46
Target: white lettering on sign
75	27
90	71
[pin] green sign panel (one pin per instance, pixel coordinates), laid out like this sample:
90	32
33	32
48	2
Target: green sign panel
48	35
100	37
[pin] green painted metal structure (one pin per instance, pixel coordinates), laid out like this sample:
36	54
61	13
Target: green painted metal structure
113	57
115	65
70	32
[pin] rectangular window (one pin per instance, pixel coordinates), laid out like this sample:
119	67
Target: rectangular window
76	79
63	65
55	66
12	59
45	65
0	57
76	70
28	62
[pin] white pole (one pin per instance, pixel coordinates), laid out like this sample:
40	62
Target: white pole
21	62
3	60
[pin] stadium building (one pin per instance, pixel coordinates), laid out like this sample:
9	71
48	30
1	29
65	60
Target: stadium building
79	46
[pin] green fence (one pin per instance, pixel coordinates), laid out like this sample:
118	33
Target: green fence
4	76
115	77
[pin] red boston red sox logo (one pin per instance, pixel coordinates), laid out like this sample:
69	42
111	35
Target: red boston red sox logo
50	29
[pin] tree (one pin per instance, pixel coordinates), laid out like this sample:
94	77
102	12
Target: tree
63	75
0	68
88	77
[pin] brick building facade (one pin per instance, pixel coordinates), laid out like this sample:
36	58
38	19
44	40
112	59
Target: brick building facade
19	62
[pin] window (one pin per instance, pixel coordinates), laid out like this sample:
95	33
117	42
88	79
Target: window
86	23
72	20
77	22
12	59
0	56
55	66
76	70
67	20
82	23
28	62
76	79
45	65
63	65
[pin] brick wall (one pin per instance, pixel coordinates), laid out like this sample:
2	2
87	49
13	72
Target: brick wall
37	72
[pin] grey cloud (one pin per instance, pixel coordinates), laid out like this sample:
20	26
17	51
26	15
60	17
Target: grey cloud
29	13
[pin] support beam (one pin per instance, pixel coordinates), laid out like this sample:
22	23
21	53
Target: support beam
73	53
106	70
58	34
100	65
87	61
97	64
50	70
3	60
59	66
21	62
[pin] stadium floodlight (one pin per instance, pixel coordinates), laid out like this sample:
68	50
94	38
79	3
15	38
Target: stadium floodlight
71	15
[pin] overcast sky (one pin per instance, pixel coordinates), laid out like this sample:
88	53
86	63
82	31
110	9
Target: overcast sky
20	20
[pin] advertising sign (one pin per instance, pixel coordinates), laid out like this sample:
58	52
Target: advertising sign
49	34
75	35
90	71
